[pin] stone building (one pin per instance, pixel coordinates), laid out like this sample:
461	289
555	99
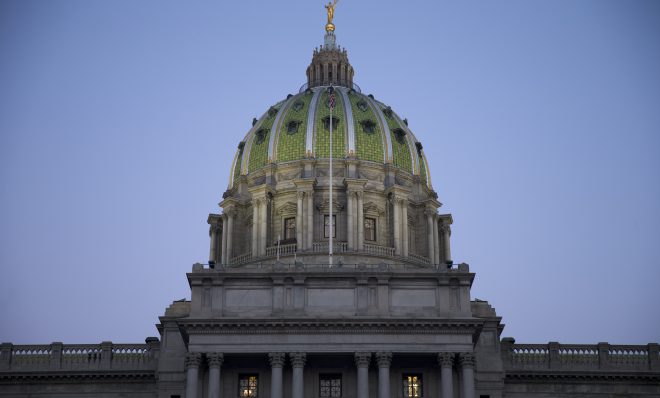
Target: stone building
392	317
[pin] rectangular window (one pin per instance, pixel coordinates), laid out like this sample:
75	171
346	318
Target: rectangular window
370	229
326	227
412	386
329	385
289	228
248	385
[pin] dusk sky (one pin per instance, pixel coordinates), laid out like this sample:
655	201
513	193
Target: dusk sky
119	121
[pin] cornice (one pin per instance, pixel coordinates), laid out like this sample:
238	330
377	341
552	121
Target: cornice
72	376
579	376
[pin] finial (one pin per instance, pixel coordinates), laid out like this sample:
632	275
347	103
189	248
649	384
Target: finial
330	27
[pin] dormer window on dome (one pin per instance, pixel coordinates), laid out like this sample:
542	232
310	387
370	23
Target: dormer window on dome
326	122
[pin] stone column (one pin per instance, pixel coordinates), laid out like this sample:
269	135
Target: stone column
276	364
298	364
397	226
436	239
255	227
299	221
360	220
404	220
193	360
467	369
362	360
429	235
263	226
447	233
225	232
446	362
310	218
230	232
214	361
350	220
213	252
384	360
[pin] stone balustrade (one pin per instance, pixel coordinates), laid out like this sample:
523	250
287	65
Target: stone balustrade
284	250
378	250
84	357
579	357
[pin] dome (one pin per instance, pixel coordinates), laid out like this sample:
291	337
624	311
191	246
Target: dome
297	128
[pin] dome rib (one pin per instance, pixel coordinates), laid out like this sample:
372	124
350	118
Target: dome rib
411	144
277	124
311	125
386	128
350	124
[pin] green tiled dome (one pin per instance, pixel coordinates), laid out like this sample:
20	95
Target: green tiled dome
298	128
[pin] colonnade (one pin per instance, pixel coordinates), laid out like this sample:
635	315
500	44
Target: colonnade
446	361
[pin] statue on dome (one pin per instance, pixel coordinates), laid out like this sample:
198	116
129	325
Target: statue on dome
330	7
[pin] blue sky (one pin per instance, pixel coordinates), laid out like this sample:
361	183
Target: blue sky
119	119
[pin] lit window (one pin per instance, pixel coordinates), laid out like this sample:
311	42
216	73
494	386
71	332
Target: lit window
326	229
412	386
369	229
330	385
290	228
247	385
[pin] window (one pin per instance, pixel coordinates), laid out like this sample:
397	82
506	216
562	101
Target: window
326	227
370	229
290	228
329	385
247	385
412	386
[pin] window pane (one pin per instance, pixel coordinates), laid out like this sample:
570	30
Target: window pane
326	226
248	386
369	229
330	385
412	386
290	228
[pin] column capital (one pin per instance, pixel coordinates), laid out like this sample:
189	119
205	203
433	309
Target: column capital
276	359
384	359
193	360
214	359
362	359
446	359
300	194
298	359
466	359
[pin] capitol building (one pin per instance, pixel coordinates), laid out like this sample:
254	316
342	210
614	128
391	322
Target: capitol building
330	274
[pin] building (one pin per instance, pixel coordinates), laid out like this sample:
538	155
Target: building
271	317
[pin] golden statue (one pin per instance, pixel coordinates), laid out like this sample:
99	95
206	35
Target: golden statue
330	27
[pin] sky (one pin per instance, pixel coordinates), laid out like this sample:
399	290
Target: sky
119	120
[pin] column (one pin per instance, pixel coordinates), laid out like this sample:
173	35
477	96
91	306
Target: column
447	233
213	252
276	364
429	235
225	232
360	220
404	220
263	229
255	227
230	232
384	360
446	362
397	226
350	220
436	240
310	218
467	369
299	221
192	373
362	360
298	363
214	361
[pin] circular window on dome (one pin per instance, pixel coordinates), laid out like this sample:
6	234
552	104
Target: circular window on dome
368	126
260	135
388	112
298	105
272	111
362	105
292	126
400	135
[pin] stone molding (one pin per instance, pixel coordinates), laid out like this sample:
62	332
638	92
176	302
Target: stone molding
298	359
362	359
276	359
446	359
214	359
384	359
193	360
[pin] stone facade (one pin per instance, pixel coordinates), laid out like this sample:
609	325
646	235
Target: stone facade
271	317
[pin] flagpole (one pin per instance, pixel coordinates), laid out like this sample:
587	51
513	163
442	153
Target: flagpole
332	105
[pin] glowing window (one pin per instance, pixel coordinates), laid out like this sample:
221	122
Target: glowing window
248	385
